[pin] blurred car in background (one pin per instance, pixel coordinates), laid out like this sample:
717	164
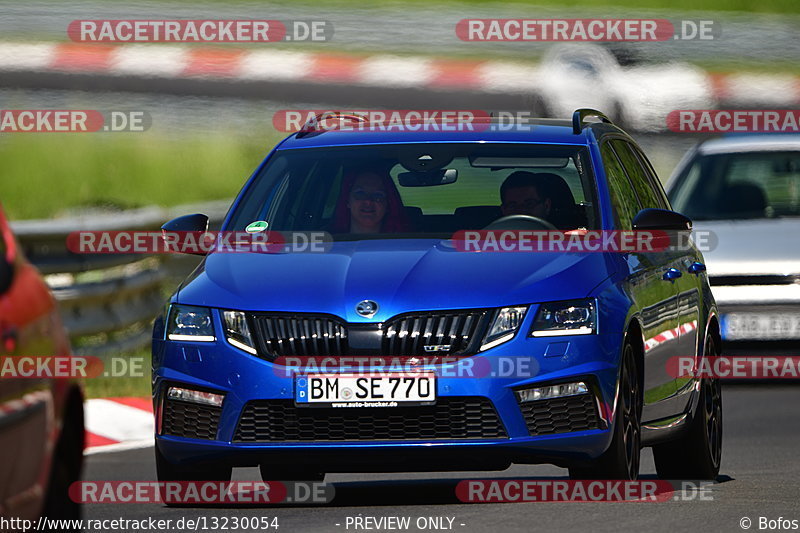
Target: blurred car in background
41	419
638	95
746	189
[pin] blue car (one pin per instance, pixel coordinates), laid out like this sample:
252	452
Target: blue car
386	329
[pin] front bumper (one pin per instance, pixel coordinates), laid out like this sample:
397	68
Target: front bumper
562	450
522	362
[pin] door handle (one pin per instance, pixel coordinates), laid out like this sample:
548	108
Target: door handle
696	268
671	275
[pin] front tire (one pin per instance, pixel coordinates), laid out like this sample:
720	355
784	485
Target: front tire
67	466
621	460
698	453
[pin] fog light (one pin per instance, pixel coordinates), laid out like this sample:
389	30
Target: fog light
552	391
195	396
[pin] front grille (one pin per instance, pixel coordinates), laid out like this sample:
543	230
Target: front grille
423	334
431	333
300	335
185	419
451	418
560	415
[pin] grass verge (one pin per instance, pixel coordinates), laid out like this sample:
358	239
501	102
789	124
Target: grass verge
46	175
135	382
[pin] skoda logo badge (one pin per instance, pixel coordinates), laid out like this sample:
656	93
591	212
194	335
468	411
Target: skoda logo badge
367	308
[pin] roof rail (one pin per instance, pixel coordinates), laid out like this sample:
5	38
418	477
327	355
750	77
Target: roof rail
313	124
579	116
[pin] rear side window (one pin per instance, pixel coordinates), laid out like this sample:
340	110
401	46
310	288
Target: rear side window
623	199
654	181
640	179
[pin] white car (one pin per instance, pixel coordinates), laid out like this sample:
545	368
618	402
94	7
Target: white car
639	97
746	190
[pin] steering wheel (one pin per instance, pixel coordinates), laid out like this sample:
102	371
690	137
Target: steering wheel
524	222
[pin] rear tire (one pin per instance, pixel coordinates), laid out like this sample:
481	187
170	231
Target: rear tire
621	460
697	454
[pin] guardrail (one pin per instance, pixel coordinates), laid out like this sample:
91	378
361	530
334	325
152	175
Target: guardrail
107	301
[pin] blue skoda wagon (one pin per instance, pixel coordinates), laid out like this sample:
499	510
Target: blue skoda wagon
392	348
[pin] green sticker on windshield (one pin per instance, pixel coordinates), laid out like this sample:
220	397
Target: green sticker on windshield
257	226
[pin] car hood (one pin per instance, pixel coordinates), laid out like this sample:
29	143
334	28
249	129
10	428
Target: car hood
400	275
743	247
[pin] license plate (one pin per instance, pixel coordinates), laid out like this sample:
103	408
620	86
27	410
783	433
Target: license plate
760	326
353	390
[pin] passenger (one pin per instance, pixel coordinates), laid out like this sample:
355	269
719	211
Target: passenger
369	203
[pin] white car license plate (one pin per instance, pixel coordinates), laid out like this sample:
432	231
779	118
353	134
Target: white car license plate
760	326
354	390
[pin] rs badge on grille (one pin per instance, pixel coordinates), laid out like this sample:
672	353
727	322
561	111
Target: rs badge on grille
437	347
367	308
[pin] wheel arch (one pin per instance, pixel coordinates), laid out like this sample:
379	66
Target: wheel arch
635	333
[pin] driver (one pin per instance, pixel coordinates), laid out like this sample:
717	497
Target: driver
526	193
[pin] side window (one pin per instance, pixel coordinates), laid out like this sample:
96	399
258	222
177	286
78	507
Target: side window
654	181
623	199
637	174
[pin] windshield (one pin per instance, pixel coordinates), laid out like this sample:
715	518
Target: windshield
412	189
739	186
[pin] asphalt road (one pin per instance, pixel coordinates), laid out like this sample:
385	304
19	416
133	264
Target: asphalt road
759	478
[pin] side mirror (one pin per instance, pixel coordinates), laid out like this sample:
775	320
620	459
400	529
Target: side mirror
661	219
197	223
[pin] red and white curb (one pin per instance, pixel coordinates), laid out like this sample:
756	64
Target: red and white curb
116	424
669	335
383	70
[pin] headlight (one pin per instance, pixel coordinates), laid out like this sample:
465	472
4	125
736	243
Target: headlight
505	324
237	332
190	323
571	317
